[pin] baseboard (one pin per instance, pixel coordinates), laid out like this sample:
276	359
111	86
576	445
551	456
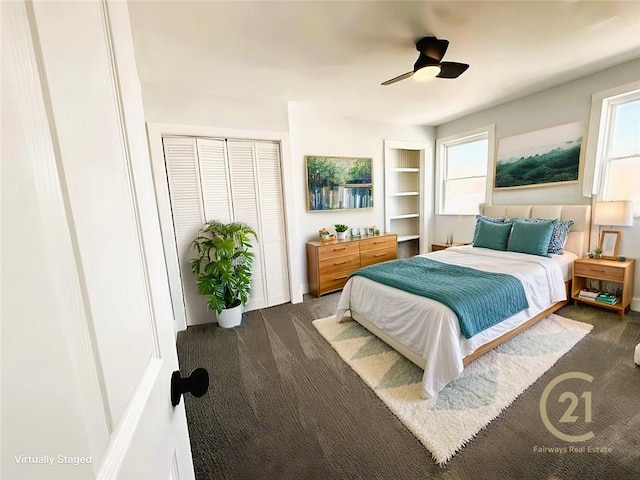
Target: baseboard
635	304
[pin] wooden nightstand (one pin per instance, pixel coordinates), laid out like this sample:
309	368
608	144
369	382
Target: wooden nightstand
441	246
604	271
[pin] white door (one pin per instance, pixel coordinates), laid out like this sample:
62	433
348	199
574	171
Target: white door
88	343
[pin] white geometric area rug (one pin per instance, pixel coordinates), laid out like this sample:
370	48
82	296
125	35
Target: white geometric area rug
487	386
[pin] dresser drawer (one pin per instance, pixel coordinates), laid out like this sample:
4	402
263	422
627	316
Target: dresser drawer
332	285
334	280
604	272
376	256
336	250
330	265
378	243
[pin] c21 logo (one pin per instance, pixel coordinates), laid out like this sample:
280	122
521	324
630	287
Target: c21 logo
573	407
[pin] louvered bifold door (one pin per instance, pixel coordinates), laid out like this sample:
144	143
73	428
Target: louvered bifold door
188	216
214	176
246	209
274	242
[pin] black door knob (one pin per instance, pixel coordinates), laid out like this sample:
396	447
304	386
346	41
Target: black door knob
197	383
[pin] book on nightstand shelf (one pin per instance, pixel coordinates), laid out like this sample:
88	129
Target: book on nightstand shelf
589	293
607	298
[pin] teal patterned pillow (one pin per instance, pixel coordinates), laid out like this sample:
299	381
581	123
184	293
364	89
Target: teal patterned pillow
488	219
558	236
531	237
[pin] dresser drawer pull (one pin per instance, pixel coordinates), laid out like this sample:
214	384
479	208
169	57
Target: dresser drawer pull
380	254
340	278
338	249
598	271
340	263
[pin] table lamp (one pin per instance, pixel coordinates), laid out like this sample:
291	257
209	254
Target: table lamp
619	213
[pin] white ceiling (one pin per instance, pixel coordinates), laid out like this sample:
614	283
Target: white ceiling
336	54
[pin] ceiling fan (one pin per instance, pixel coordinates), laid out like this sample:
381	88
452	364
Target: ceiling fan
429	63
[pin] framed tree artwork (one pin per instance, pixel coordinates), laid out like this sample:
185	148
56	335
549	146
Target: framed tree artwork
335	183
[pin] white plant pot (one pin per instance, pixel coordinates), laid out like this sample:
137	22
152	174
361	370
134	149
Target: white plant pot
230	317
341	235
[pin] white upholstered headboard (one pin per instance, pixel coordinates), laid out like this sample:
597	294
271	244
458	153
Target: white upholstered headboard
578	240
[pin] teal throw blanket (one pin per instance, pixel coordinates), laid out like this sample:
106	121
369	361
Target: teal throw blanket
479	299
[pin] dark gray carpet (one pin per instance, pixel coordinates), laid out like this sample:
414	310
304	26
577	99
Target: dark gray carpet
282	405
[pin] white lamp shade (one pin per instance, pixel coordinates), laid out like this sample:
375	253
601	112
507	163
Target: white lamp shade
614	213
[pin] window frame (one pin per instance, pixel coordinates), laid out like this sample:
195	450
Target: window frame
606	159
482	133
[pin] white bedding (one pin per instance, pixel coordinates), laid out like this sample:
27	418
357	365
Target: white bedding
565	262
431	329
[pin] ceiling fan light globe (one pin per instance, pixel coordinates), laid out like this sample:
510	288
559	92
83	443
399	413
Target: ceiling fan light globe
426	73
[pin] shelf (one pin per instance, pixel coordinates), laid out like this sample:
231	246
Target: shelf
616	306
404	194
405	238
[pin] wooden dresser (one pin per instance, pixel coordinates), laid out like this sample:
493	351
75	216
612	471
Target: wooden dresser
329	264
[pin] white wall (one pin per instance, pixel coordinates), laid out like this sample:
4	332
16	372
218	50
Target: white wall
313	132
566	103
186	107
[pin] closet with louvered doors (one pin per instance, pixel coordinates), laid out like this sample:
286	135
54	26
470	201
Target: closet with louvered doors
229	180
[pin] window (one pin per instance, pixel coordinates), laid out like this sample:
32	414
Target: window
613	146
462	172
620	159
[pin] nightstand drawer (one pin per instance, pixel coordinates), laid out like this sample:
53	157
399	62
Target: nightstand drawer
604	272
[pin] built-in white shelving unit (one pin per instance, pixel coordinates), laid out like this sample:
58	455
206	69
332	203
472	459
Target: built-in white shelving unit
404	201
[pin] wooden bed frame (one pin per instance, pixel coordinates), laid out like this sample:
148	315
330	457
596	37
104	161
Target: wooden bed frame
578	242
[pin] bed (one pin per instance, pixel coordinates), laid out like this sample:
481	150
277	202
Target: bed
428	332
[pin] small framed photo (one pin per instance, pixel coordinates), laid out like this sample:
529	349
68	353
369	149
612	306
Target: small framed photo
609	240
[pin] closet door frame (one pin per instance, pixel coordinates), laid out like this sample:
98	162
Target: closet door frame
155	132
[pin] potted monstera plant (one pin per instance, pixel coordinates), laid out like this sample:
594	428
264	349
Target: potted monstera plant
222	266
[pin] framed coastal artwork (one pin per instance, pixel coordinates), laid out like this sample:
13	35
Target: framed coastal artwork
543	157
335	183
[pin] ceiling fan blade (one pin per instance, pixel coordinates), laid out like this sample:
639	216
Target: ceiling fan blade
432	47
398	78
452	69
